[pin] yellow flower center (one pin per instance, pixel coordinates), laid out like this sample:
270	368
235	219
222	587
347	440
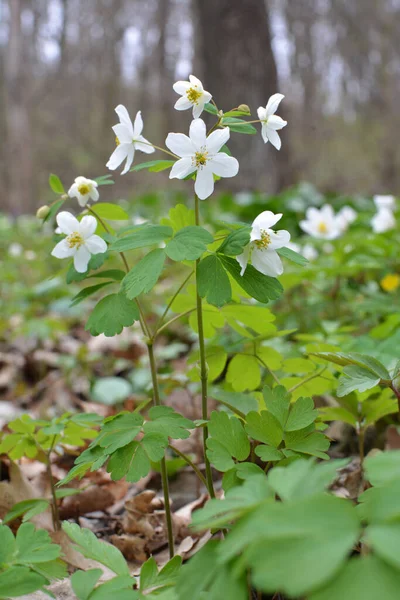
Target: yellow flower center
390	282
193	95
117	142
75	239
84	189
200	158
322	227
264	241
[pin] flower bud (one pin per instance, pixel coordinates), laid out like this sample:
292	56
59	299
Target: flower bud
244	108
42	212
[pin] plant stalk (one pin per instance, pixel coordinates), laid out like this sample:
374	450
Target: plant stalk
54	507
203	370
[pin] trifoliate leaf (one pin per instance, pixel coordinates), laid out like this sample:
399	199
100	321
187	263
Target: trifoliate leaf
257	318
213	282
134	460
179	217
143	236
314	443
277	402
189	243
56	185
35	545
144	275
18	581
268	453
88	291
111	390
153	166
113	212
111	315
234	243
302	413
244	372
91	547
228	439
7	545
383	467
118	431
118	587
83	582
264	427
237	402
258	286
150	577
165	421
353	358
293	256
356	378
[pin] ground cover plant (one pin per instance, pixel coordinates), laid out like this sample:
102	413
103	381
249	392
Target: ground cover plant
195	339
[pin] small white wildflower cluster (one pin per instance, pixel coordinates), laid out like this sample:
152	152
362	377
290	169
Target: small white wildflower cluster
324	224
384	219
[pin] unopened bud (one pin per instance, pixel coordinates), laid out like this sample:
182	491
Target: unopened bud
244	108
42	212
64	197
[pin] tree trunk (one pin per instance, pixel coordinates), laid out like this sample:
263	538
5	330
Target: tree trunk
238	66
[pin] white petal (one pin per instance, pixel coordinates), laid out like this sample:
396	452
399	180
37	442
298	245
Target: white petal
327	213
243	258
307	227
138	125
81	259
180	144
181	87
264	132
198	109
313	214
87	226
385	202
217	139
275	122
262	113
118	156
265	220
73	191
67	222
279	239
196	82
183	104
224	165
197	133
94	194
83	199
123	134
62	250
129	159
267	262
273	104
124	117
95	244
204	184
182	168
144	145
206	97
274	138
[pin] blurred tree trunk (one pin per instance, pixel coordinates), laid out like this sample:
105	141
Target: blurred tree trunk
19	143
239	67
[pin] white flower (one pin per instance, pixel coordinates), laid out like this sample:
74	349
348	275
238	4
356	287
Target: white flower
383	220
192	94
30	254
128	138
263	245
15	249
321	223
346	216
80	242
309	252
84	190
201	154
385	202
270	122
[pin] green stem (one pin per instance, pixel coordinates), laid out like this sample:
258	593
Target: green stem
164	474
168	323
361	441
161	149
313	376
264	364
190	463
203	370
54	508
170	303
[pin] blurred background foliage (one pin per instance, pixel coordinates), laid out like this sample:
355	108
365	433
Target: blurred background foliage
65	65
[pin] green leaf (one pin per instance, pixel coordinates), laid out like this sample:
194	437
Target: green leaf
104	180
264	427
383	467
34	545
234	243
154	166
213	282
54	208
146	235
293	256
88	291
7	545
189	243
28	508
18	581
148	574
83	582
118	587
258	286
314	443
302	413
238	125
111	315
210	108
56	185
384	539
353	358
180	216
134	460
115	274
113	212
167	422
243	372
118	431
91	547
111	390
268	453
356	378
144	275
277	402
228	439
365	578
337	413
